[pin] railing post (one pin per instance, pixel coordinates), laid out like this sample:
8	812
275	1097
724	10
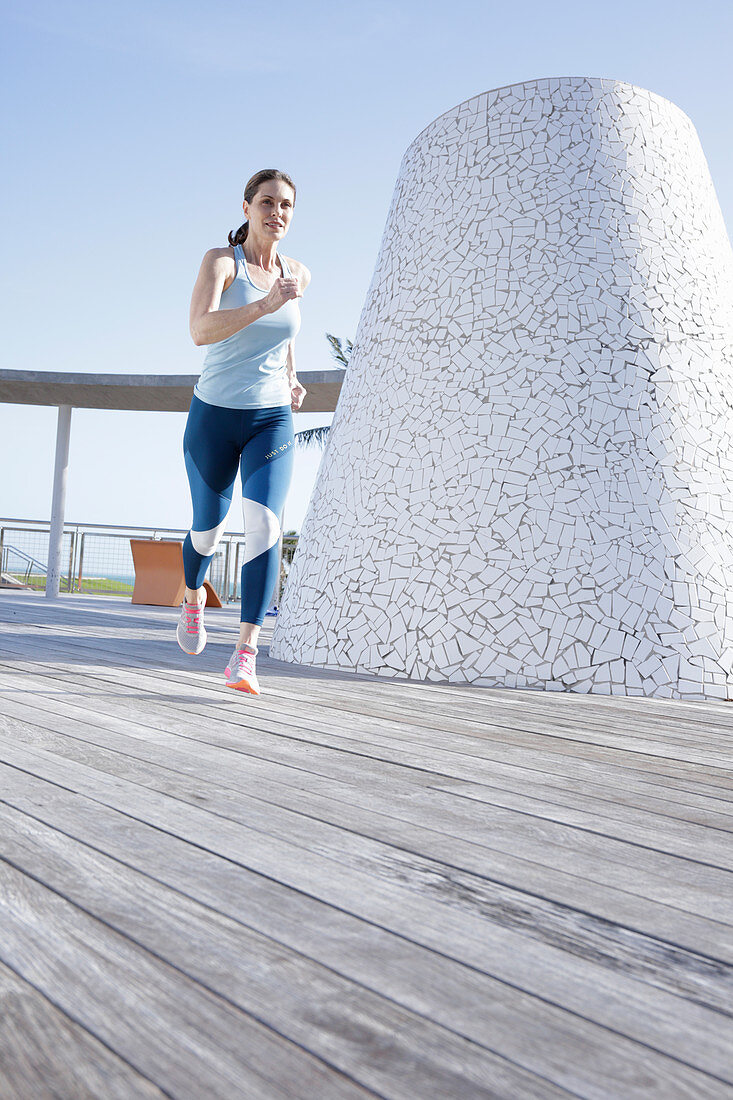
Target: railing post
236	569
226	585
2	548
81	561
76	554
70	578
58	502
279	589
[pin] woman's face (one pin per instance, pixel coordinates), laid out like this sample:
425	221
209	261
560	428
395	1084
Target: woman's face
271	209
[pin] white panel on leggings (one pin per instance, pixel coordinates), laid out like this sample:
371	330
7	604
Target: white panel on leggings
206	542
261	529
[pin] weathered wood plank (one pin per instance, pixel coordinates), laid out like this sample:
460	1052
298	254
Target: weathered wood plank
605	798
80	614
524	872
495	780
96	722
171	1029
523	715
530	1032
687	884
365	740
441	915
710	719
520	706
44	1055
528	883
495	783
365	729
399	1053
672	835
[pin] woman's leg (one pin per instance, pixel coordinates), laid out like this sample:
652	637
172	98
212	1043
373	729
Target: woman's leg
267	469
211	448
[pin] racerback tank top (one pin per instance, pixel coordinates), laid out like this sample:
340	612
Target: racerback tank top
247	370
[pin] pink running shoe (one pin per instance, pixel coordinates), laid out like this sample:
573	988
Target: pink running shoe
190	632
240	672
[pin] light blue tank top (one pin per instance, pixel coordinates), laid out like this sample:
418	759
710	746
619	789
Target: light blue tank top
247	370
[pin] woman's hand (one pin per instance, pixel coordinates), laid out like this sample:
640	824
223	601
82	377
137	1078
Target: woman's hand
297	393
281	291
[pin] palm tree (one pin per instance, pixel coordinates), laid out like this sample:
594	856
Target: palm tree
317	437
340	352
289	547
288	542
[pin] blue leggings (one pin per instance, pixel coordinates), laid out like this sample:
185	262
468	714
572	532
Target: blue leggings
215	442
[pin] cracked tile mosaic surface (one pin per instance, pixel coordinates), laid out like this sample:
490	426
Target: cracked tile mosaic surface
529	477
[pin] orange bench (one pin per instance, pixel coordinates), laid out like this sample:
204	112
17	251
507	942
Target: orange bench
159	575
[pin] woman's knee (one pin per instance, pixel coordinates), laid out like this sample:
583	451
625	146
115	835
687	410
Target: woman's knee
206	542
261	528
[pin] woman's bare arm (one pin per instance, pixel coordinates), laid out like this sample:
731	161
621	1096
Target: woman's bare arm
297	389
290	364
207	323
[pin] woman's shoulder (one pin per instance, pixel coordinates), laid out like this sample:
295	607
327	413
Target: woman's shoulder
219	263
300	271
216	256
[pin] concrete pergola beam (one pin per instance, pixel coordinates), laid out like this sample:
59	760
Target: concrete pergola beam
134	392
140	392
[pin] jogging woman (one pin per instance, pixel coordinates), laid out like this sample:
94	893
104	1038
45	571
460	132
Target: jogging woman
244	309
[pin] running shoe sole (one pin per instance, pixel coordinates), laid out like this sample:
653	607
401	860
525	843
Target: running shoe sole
241	685
244	686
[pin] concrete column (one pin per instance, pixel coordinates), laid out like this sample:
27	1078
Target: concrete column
61	469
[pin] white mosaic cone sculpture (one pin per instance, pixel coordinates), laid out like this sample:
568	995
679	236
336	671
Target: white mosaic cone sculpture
529	478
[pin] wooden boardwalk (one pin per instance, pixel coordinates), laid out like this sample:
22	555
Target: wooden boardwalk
348	887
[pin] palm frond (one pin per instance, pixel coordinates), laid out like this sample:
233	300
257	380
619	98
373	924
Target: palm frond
318	437
340	349
312	437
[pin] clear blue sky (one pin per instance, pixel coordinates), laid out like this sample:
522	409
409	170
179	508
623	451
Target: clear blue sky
132	130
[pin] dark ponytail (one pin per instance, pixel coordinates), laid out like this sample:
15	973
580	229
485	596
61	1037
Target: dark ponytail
239	236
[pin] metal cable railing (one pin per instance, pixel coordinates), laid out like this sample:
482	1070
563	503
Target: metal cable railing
28	564
97	559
